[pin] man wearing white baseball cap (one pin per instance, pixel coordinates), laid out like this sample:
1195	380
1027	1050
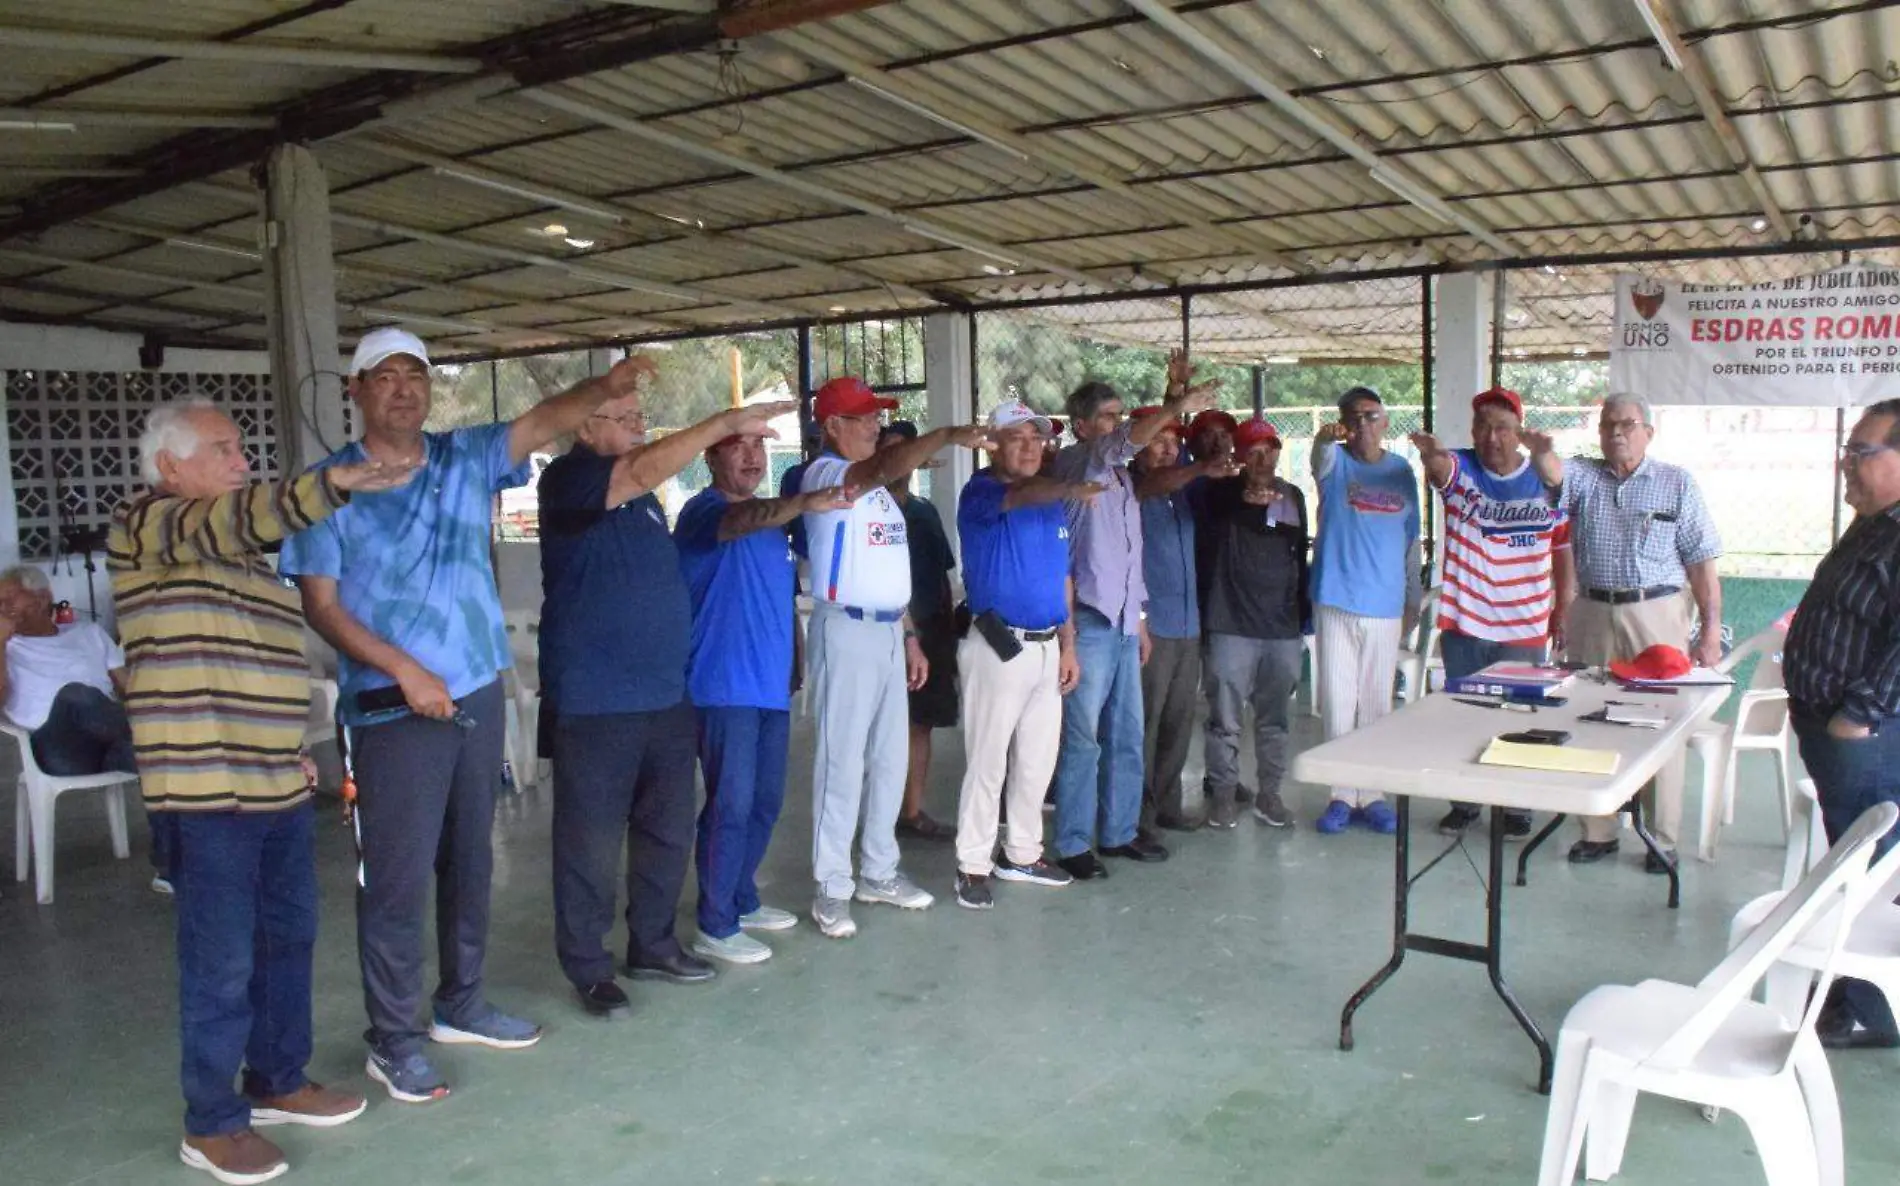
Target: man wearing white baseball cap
401	584
1018	659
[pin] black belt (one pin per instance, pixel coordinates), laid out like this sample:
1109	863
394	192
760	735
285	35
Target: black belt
1631	596
1036	635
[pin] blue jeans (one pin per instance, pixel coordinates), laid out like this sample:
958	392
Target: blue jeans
1098	773
1850	777
1465	655
246	886
742	751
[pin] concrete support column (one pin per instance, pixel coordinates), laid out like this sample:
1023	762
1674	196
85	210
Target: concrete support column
1462	305
600	361
949	396
300	306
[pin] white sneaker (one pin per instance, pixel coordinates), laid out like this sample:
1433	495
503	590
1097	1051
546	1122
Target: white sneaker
897	890
161	886
833	916
768	918
739	948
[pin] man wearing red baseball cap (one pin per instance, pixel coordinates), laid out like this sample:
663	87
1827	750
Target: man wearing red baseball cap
864	656
1504	556
1256	529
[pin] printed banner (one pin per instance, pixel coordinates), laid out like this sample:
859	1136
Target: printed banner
1825	340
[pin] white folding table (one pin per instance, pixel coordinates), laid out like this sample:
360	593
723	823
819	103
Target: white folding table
1430	748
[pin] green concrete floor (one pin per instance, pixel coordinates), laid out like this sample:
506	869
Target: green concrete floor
1177	1023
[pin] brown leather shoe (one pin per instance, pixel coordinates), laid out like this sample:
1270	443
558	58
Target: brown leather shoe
241	1158
312	1104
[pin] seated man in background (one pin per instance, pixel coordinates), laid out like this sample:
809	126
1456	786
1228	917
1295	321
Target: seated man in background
63	685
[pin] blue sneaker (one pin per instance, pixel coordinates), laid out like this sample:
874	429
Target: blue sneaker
1380	817
493	1028
1338	814
410	1078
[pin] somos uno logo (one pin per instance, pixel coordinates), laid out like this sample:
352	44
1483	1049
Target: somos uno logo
1646	297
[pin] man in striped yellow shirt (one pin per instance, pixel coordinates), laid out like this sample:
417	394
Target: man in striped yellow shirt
218	694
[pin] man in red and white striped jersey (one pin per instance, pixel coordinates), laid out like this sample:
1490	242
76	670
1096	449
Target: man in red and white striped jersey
1506	550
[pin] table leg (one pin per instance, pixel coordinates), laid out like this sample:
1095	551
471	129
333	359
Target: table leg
1524	857
1494	950
1635	808
1401	903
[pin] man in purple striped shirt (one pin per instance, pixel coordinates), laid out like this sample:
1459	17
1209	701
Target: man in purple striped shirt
1099	771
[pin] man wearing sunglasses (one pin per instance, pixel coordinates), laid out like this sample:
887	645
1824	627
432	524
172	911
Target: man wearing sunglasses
1842	668
616	630
1366	585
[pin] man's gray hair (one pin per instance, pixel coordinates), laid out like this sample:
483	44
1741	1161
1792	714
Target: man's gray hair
1629	399
168	429
1086	401
28	577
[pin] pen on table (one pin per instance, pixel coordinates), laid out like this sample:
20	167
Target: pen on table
1503	704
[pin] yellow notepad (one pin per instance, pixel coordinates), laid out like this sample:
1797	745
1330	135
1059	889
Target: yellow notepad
1550	757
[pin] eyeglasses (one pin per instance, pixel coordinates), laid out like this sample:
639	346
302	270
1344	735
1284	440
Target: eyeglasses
624	420
1621	427
1859	451
1350	419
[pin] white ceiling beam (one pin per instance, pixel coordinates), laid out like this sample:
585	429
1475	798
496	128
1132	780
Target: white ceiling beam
691	293
68	119
462	323
564	100
696	7
1714	111
56	41
1048	151
1387	173
615	213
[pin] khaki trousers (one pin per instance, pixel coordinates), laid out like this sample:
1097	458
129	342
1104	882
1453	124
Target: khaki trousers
1598	633
1012	732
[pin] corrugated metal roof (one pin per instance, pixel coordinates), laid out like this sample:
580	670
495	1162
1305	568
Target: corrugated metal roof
990	151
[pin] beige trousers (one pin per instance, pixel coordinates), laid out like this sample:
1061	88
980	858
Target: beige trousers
1598	633
1012	731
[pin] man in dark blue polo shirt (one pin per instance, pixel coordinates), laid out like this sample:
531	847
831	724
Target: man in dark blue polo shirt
615	628
1018	660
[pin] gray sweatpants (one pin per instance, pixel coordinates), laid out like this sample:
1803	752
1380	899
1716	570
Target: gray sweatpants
861	709
1242	671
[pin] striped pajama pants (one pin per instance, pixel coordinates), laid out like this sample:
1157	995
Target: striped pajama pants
1358	659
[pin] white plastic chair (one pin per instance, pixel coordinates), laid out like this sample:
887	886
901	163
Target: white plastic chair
33	801
523	688
1709	1044
321	726
1761	726
1872	950
1418	661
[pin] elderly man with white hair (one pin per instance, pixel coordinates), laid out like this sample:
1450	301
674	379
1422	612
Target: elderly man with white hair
218	693
1644	550
402	585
